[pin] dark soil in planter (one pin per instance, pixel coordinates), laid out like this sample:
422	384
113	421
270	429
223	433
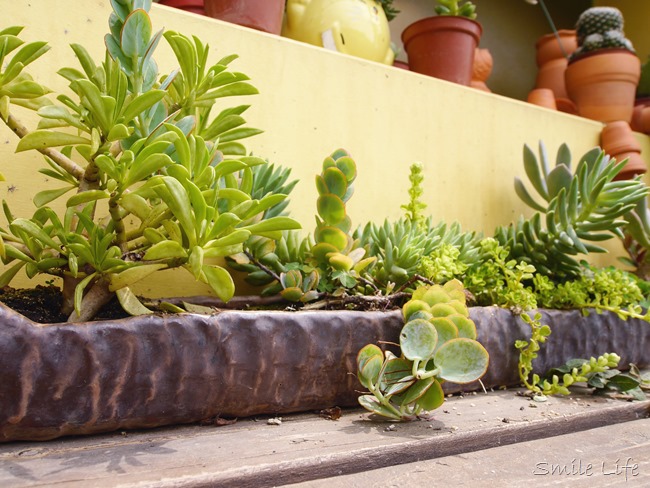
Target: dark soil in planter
42	304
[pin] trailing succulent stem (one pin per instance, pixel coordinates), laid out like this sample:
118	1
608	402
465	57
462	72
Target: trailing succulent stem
594	372
151	148
438	343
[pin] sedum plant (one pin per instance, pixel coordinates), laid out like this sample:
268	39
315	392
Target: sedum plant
130	144
438	344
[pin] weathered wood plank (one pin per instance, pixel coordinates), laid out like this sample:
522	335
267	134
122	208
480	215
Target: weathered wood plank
304	447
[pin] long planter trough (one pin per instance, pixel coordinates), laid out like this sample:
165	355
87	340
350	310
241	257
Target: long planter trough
150	371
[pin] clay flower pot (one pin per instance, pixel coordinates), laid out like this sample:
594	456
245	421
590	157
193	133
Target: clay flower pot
193	6
443	47
552	62
603	84
264	15
617	140
543	97
482	69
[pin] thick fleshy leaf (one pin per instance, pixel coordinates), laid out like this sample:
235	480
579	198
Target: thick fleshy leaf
461	360
332	235
136	33
371	404
533	172
366	353
418	340
331	208
433	398
46	196
41	139
348	167
165	250
130	302
87	196
416	391
336	182
369	374
397	376
445	328
133	275
220	281
466	326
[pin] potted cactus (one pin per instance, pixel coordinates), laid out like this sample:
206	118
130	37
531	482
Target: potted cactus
603	72
443	46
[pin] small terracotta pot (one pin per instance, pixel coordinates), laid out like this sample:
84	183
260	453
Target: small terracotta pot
481	69
548	47
617	140
443	47
193	6
264	15
603	84
544	97
551	61
401	64
645	120
567	106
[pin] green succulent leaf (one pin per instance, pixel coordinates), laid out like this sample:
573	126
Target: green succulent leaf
418	340
42	139
461	360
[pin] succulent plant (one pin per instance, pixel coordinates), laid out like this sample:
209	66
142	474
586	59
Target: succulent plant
145	144
580	208
438	343
458	8
390	11
600	28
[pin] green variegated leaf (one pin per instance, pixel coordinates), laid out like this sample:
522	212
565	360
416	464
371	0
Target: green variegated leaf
418	340
461	360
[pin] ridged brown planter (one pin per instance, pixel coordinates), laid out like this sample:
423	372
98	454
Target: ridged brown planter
145	372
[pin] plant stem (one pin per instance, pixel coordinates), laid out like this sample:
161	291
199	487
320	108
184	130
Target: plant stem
60	159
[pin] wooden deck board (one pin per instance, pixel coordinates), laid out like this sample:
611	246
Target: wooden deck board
304	447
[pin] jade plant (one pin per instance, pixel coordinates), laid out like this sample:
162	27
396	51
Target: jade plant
438	344
600	28
145	166
458	8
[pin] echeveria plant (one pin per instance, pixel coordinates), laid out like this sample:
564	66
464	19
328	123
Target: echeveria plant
130	144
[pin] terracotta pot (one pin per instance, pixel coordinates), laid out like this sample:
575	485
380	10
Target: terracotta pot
481	69
548	48
401	64
551	61
567	106
149	371
544	97
193	6
618	141
264	15
443	47
603	84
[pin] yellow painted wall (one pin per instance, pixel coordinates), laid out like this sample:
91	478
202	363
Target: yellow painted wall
637	15
313	101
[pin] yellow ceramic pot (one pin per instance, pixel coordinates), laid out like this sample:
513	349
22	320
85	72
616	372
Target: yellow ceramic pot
355	27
